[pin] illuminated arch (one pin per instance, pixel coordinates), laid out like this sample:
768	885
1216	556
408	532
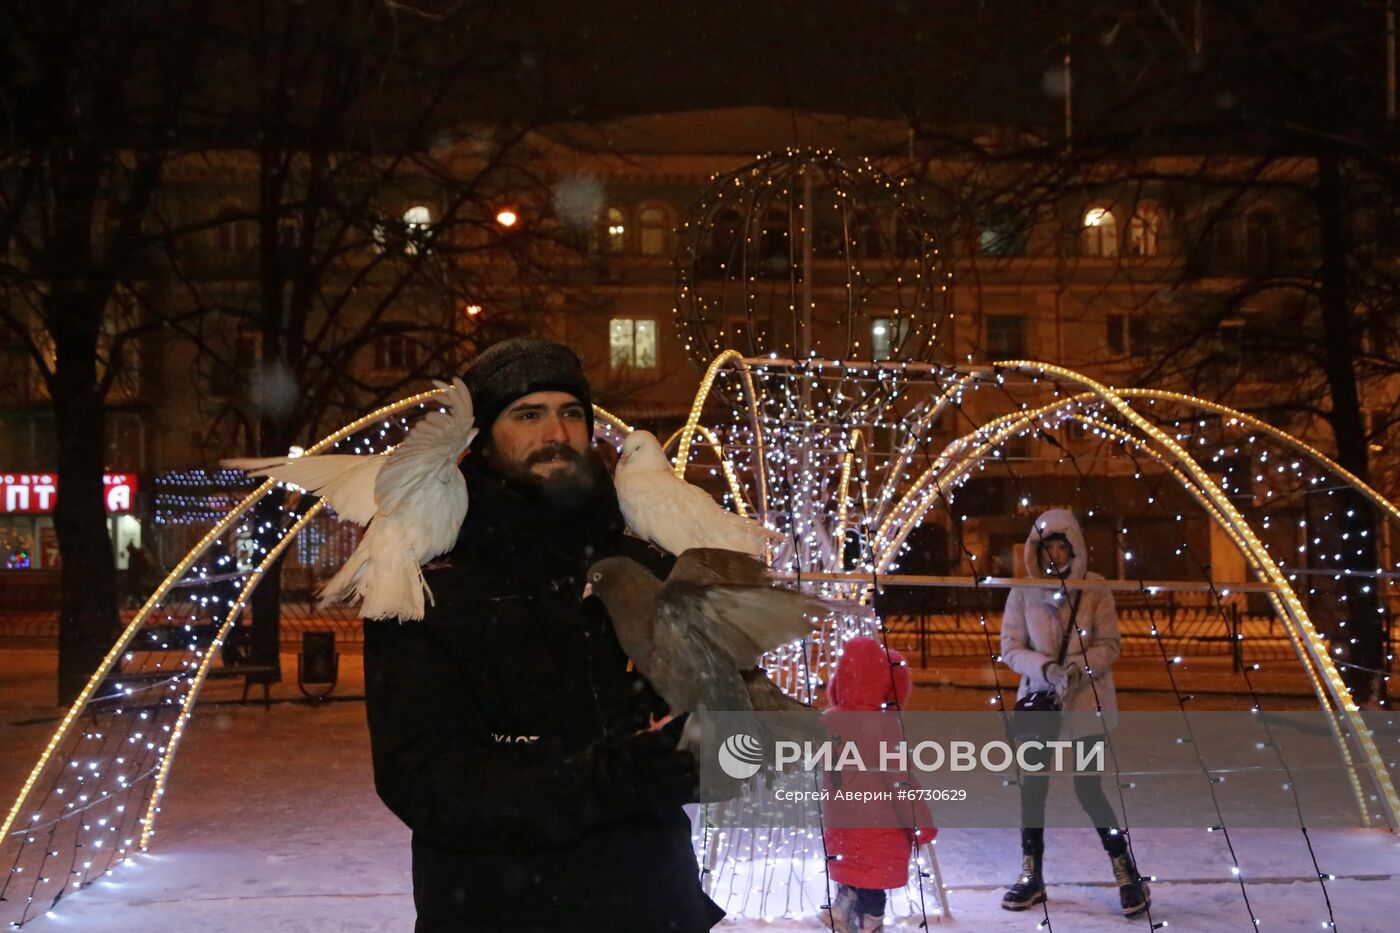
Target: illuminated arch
1009	425
188	676
1121	419
957	458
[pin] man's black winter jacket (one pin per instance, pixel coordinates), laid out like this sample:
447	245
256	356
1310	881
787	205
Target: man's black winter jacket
480	717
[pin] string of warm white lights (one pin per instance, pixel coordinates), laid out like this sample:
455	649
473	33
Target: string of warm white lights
1256	705
1219	598
1220	824
1015	423
994	657
92	795
793	260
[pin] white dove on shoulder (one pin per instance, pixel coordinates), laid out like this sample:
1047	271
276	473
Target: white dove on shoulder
413	500
671	513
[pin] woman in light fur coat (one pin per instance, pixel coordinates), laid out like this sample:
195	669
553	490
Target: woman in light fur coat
1032	629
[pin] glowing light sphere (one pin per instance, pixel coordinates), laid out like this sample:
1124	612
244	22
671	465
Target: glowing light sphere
805	253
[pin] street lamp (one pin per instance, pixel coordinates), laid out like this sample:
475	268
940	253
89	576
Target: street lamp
506	217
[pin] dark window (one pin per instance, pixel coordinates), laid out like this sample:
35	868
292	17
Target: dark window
725	250
242	363
234	232
775	245
1117	333
1139	333
395	353
1127	333
1261	242
1006	336
656	231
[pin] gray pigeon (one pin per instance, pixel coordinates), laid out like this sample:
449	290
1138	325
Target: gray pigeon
698	637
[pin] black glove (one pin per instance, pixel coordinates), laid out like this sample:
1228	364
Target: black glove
641	771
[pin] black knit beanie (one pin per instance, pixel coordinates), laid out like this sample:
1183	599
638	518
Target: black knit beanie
512	369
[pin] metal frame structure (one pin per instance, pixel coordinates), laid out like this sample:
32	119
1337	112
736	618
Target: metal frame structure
899	514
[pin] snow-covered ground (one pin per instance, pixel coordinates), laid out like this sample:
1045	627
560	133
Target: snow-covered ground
271	823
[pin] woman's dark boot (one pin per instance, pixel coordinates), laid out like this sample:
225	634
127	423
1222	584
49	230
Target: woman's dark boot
1133	892
1029	890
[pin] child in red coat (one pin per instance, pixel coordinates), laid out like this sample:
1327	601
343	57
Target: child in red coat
865	862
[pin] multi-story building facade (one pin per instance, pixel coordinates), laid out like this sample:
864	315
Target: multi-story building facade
1077	278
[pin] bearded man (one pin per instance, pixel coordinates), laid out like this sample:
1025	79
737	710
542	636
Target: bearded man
506	729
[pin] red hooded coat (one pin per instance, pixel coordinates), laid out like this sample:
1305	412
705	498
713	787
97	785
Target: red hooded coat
868	680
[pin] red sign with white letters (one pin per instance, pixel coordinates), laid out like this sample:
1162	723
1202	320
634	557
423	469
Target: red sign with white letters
36	493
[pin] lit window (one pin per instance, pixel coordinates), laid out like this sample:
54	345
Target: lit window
1144	231
1001	233
632	343
656	230
418	225
616	230
886	336
1100	232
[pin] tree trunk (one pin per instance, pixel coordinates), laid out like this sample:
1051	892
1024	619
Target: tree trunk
1360	633
265	605
88	618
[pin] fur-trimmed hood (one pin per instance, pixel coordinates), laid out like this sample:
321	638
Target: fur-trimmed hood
1056	521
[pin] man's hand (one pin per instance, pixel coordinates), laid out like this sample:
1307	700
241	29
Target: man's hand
643	771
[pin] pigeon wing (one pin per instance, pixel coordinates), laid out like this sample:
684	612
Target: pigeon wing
421	484
742	622
707	566
345	481
427	459
767	697
688	670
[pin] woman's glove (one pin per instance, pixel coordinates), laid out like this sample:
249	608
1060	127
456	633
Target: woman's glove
1062	678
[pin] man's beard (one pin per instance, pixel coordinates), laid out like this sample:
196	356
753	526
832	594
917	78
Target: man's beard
568	487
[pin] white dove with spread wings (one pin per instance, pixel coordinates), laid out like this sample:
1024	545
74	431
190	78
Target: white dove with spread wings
413	499
674	515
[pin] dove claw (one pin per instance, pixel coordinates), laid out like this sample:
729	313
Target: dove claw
653	724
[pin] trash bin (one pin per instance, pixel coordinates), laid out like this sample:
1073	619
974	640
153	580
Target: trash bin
318	665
